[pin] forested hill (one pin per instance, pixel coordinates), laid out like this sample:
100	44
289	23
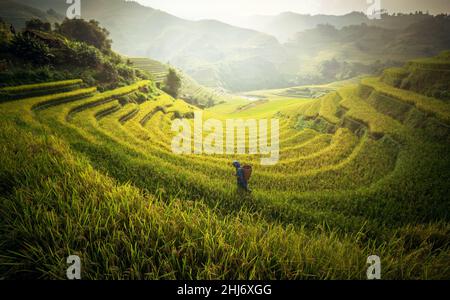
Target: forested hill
222	56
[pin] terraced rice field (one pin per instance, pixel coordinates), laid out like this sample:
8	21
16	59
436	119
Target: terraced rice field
427	76
83	174
190	91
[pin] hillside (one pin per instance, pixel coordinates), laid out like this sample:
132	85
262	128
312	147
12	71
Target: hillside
284	26
326	54
73	49
209	51
364	169
428	76
17	13
191	91
225	57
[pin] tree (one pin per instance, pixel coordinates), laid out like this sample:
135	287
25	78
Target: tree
37	24
5	33
173	83
88	32
29	48
330	68
81	54
210	102
109	73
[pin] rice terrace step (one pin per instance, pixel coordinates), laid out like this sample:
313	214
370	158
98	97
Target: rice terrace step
130	159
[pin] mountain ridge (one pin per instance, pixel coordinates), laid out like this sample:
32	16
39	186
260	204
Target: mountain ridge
220	55
198	47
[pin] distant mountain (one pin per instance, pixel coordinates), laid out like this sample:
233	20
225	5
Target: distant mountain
327	53
214	53
17	13
317	49
284	26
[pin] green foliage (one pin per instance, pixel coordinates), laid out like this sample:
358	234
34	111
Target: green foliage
94	174
31	49
108	73
125	71
5	35
190	91
332	201
40	55
140	98
137	98
172	84
329	108
37	24
33	89
433	106
88	32
80	54
394	76
427	76
30	74
318	125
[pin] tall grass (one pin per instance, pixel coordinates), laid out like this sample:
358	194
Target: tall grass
40	86
99	180
429	105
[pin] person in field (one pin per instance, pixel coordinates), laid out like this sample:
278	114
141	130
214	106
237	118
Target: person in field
243	175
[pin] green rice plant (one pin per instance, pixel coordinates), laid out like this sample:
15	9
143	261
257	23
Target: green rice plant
377	123
329	108
103	183
57	99
129	112
40	86
432	106
106	97
36	90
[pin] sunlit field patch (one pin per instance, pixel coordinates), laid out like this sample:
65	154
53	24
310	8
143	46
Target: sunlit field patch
84	173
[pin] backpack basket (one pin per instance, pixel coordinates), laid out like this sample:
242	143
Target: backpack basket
247	172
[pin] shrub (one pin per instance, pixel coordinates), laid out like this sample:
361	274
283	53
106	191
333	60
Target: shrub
78	54
126	72
108	73
140	98
37	24
124	100
173	84
5	34
88	32
189	115
31	49
29	75
87	55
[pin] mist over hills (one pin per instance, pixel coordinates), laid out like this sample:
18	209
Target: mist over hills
237	59
285	25
207	50
326	53
17	13
103	161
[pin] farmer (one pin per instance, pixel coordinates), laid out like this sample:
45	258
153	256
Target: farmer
242	181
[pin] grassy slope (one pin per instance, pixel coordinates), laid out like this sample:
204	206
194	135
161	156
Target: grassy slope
428	76
109	189
190	89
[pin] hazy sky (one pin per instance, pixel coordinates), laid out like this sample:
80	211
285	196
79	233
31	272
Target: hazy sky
227	10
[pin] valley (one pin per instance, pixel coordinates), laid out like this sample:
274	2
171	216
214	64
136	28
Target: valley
113	164
199	150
